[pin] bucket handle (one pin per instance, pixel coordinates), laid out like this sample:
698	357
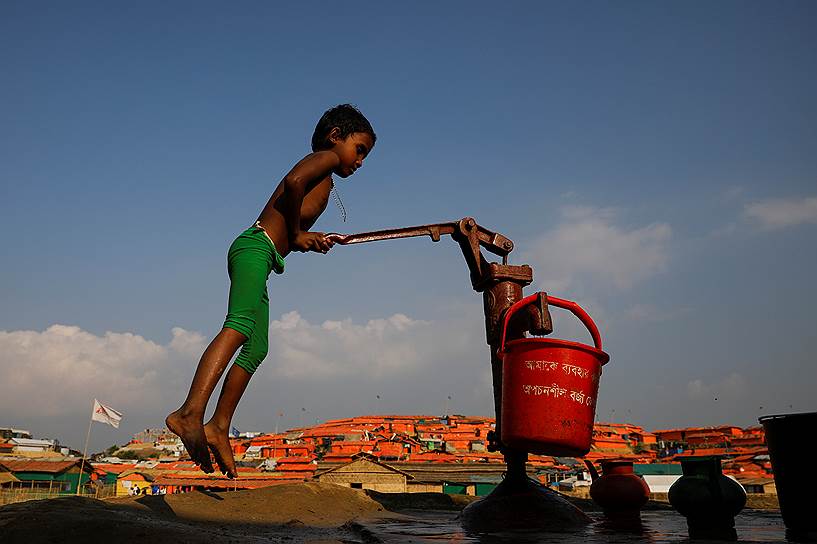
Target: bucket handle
559	303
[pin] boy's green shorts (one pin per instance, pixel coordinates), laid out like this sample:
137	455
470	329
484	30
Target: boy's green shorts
251	258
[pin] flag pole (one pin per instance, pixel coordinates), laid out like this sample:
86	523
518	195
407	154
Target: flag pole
85	451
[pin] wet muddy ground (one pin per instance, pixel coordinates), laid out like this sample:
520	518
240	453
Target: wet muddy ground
320	513
434	527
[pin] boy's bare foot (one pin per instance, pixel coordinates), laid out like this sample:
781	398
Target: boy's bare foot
192	434
219	444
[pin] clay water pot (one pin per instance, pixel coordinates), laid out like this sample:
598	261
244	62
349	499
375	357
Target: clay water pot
708	499
619	490
790	437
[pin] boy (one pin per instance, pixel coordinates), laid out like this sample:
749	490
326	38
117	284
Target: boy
342	139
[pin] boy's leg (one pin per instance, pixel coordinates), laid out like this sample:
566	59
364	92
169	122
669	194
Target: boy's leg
249	263
252	354
218	428
186	422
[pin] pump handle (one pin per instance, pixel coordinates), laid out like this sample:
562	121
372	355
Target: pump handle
559	303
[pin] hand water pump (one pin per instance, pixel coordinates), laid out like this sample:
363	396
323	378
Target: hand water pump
544	389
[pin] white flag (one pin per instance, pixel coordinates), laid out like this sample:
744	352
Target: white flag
106	414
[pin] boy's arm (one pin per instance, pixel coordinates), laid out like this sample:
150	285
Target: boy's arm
312	168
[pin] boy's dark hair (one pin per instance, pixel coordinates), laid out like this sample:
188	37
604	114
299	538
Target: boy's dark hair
344	116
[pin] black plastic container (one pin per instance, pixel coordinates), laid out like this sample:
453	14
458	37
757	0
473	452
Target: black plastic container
792	441
708	499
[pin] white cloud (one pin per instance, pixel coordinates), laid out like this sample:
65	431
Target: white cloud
189	343
777	213
731	387
396	344
63	367
696	389
589	246
52	375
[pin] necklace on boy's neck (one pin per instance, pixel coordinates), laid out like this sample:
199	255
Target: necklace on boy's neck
336	196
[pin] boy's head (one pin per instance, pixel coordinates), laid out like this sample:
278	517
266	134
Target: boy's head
347	119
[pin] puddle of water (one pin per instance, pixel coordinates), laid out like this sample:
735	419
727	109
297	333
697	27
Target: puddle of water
656	527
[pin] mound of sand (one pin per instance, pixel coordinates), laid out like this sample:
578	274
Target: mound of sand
312	503
300	512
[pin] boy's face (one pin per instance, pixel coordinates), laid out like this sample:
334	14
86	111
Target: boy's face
351	151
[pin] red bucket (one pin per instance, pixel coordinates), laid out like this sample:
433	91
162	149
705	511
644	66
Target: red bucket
549	388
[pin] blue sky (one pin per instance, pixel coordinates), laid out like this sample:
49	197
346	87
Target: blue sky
653	161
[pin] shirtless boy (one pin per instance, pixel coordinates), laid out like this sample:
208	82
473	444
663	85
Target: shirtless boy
342	139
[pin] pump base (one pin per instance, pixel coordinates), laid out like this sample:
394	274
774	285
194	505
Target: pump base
521	504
